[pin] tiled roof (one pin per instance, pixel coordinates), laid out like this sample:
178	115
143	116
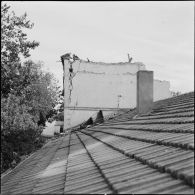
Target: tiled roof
152	153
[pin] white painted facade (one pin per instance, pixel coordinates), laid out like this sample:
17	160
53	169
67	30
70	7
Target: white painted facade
98	84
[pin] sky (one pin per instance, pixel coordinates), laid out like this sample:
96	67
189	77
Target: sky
160	34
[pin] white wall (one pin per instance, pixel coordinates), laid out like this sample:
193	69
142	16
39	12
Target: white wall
50	128
161	90
98	84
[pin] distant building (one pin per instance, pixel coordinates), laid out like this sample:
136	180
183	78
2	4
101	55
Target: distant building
98	84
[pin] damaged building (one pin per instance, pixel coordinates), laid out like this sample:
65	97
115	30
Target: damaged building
90	86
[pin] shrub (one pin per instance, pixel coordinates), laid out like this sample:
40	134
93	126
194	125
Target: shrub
20	134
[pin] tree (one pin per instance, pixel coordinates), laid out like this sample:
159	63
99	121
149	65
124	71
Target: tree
42	94
38	89
28	94
14	44
18	130
59	116
25	110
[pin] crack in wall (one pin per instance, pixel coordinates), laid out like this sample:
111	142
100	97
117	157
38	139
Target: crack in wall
99	84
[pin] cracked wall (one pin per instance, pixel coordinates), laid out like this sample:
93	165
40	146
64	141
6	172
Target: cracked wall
98	84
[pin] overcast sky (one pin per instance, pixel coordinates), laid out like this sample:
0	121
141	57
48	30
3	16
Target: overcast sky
159	34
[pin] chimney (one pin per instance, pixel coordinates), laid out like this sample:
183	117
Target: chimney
144	91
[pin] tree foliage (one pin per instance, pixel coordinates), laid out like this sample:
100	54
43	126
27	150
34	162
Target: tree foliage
14	44
28	94
42	93
59	116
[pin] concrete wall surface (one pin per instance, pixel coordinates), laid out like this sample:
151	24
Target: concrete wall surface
98	84
144	91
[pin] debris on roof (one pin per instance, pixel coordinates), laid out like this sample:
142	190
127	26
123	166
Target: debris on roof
151	153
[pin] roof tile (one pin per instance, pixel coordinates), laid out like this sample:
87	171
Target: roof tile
150	153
